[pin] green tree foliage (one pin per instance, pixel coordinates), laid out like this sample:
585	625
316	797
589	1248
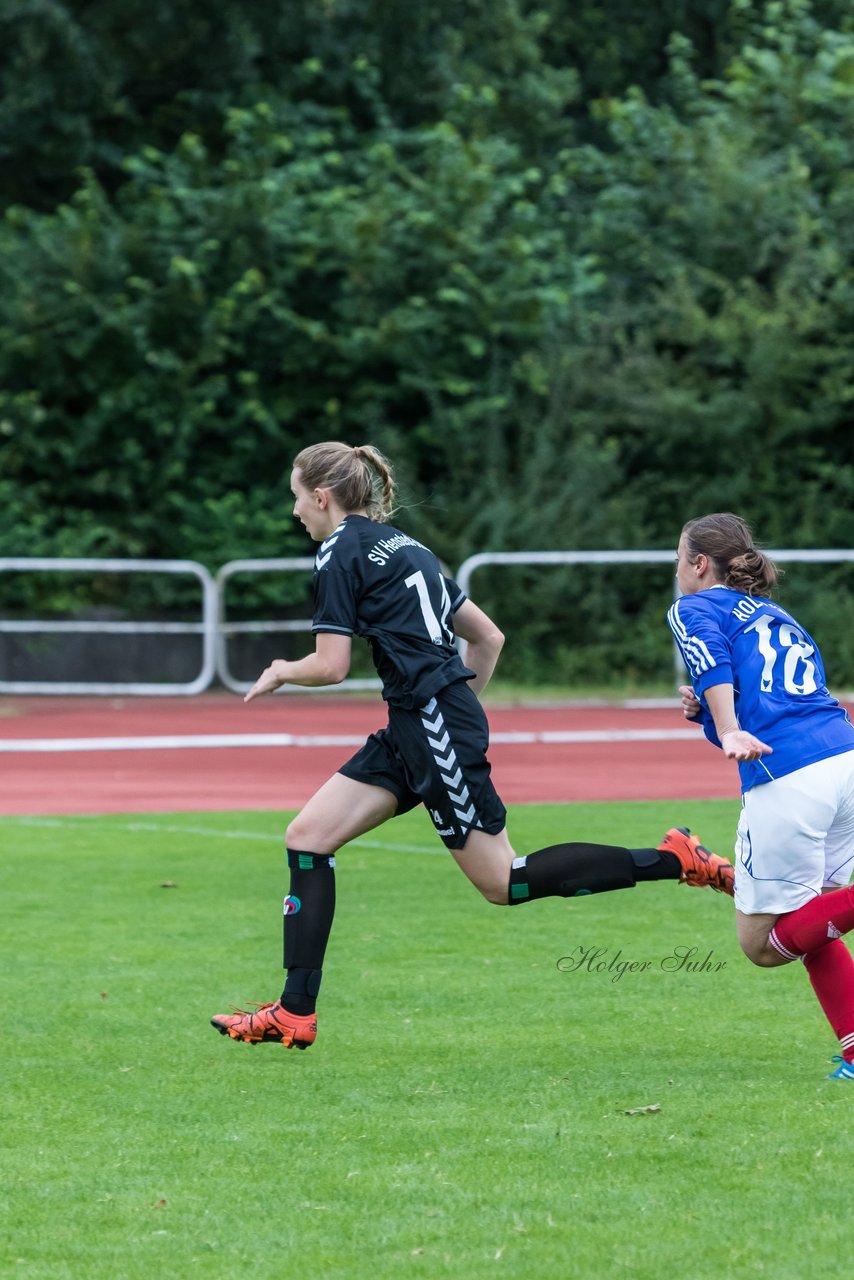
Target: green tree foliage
580	289
724	223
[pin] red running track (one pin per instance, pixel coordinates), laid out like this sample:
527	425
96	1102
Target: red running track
130	779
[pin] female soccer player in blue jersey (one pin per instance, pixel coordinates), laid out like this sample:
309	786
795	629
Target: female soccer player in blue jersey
758	688
377	582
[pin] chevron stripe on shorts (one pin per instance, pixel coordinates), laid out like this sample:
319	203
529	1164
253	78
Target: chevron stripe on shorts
449	770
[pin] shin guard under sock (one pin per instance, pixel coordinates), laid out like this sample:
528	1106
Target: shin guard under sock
309	911
570	870
656	864
831	972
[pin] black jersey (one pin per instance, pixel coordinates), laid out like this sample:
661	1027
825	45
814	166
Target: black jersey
372	580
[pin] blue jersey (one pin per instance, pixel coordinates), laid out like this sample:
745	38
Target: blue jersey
372	580
777	674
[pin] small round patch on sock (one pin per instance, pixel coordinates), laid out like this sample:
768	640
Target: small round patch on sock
291	904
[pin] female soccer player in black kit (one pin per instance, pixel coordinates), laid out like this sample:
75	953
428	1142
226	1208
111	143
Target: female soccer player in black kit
374	581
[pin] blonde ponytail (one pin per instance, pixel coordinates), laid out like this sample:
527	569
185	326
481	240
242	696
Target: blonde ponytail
359	478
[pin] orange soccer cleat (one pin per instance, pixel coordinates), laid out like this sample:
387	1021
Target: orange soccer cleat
700	867
268	1022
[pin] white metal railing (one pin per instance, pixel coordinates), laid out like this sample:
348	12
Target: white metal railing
479	561
206	627
468	567
288	564
214	628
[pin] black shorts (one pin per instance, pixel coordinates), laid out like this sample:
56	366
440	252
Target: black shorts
436	755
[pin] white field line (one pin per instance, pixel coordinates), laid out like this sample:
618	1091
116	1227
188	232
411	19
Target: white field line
177	742
173	829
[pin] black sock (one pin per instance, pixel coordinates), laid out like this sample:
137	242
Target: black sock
570	870
309	910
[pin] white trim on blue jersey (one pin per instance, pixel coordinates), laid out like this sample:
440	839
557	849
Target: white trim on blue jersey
694	650
776	672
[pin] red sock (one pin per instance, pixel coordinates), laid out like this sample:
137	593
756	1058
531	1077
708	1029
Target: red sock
828	916
831	971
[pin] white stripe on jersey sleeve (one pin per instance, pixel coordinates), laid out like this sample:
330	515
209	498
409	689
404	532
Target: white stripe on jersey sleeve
694	650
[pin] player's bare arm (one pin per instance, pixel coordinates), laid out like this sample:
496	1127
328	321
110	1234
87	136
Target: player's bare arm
736	743
485	642
329	664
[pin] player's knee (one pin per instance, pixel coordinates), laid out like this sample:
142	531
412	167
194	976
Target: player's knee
762	954
495	894
759	959
299	835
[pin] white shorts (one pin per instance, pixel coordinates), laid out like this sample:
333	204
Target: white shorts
795	837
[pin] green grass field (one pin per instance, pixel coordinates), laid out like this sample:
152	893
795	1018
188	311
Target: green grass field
464	1112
